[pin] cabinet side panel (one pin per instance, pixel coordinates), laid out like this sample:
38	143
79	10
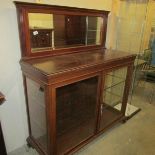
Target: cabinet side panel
37	112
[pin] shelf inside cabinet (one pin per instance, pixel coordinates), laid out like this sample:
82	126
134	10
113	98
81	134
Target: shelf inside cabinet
74	136
107	86
109	115
114	94
111	99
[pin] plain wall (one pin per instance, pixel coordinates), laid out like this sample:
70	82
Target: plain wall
13	112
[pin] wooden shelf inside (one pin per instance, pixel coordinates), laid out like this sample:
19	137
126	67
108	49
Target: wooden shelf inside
109	115
75	136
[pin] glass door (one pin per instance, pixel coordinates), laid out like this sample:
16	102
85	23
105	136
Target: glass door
37	112
75	113
112	97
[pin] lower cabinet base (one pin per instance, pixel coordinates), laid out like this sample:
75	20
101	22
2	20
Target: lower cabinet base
32	143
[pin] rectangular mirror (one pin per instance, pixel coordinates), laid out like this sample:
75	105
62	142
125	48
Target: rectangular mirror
41	31
55	31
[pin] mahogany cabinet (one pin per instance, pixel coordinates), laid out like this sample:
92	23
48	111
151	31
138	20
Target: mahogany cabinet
73	92
71	102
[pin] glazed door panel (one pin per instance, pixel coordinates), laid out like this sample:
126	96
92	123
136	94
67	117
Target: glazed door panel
37	112
75	113
112	96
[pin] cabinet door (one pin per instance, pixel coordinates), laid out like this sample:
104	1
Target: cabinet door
75	113
112	96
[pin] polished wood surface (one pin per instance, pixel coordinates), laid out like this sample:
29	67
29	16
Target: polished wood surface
70	62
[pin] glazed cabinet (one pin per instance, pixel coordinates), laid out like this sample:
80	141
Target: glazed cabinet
81	108
75	88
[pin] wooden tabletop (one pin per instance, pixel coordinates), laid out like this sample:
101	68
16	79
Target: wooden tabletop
57	64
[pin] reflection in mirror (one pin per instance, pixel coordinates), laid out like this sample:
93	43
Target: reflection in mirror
93	30
41	31
54	31
69	30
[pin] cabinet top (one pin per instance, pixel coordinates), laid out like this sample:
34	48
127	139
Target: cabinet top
65	63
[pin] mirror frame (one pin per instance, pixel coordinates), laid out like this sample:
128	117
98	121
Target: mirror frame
23	8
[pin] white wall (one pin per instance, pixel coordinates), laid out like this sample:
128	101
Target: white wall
13	111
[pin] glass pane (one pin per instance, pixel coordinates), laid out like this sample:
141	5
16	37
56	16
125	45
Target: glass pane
53	31
41	31
121	73
112	81
93	30
36	103
69	30
112	96
76	107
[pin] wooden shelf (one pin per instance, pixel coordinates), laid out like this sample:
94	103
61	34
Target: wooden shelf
75	136
109	115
